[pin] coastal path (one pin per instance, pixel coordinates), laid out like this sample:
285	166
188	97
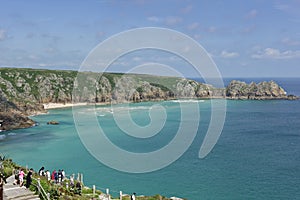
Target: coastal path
15	192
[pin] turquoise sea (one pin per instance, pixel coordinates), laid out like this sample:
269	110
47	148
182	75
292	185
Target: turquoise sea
256	157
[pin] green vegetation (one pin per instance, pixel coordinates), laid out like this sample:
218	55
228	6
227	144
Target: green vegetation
162	87
140	90
111	78
166	81
7	166
64	190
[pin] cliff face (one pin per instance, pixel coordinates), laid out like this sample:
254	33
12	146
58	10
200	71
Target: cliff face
262	90
23	91
27	86
13	116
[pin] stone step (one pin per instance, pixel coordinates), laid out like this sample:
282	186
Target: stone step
30	197
20	196
15	192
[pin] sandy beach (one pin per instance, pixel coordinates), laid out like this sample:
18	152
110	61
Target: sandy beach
48	106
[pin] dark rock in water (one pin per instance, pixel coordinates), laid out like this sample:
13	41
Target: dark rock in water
53	122
15	121
292	97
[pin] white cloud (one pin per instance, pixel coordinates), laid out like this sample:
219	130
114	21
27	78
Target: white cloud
30	35
169	21
212	29
187	9
290	42
197	36
137	58
272	53
172	20
33	57
252	14
249	29
289	7
100	34
186	49
193	26
153	19
282	7
3	35
51	50
226	54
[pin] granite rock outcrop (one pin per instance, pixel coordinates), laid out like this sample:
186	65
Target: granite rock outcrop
24	91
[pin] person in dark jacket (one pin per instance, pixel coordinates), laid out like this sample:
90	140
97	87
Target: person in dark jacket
29	178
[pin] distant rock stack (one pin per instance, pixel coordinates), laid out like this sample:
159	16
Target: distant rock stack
263	90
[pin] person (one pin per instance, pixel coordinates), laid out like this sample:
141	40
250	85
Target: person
42	172
56	176
72	181
78	188
21	177
29	178
48	175
16	173
63	175
59	176
53	175
132	196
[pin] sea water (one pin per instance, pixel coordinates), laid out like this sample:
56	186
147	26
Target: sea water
256	157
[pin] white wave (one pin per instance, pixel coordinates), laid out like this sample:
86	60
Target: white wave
2	137
188	101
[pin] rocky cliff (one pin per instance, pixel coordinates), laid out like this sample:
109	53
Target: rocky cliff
23	91
14	116
263	90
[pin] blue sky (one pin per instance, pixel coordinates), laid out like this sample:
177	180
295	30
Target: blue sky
257	38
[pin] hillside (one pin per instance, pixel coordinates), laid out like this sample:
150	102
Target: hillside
24	91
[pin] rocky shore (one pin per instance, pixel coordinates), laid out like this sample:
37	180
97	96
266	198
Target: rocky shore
25	92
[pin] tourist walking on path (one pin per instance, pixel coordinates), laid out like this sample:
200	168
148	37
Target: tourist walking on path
21	177
48	175
42	171
59	176
56	176
133	196
16	173
29	178
53	175
63	174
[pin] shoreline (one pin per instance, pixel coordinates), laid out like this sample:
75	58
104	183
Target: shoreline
49	106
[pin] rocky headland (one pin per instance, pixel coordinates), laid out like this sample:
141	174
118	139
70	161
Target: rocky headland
24	91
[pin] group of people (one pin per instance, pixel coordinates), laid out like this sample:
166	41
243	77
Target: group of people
20	175
56	176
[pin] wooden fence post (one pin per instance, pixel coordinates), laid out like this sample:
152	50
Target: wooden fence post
121	195
107	194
